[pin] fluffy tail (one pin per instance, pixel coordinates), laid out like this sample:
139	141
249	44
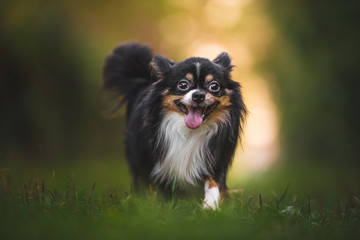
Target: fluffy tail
126	70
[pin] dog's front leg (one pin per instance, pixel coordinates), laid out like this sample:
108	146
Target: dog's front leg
212	194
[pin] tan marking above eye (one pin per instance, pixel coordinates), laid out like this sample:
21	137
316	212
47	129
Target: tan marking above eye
189	76
209	78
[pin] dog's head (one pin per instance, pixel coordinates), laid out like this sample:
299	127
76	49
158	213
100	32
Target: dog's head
197	88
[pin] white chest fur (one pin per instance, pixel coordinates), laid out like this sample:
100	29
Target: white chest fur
186	154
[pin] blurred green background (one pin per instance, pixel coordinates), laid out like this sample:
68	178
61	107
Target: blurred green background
298	62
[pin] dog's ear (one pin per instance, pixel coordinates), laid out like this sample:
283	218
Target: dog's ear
224	60
160	65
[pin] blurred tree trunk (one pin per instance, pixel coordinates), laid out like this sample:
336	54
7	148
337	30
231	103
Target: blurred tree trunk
316	67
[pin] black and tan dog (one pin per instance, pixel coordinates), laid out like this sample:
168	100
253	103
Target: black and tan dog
184	119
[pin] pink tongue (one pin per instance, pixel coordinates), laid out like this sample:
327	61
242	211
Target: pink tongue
194	118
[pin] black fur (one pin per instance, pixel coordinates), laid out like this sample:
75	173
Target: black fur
141	79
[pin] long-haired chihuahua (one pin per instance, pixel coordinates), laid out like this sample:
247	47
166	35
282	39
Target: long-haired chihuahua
184	119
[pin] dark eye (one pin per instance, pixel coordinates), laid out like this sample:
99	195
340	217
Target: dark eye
183	85
214	87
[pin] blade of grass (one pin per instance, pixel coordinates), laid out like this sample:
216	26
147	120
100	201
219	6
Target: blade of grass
284	194
309	207
91	192
173	186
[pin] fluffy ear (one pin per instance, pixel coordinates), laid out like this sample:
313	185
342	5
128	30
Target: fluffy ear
161	65
224	60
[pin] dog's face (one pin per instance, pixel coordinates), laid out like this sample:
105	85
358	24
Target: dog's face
197	88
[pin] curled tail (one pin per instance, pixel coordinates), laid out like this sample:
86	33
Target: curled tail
127	70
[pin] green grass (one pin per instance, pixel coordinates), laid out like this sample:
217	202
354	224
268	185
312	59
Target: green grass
95	201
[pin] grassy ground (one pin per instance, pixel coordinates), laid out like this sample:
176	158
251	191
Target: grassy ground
94	201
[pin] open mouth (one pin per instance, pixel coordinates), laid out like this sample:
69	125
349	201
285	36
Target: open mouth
195	115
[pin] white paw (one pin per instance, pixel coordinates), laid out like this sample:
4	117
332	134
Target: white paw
210	204
212	197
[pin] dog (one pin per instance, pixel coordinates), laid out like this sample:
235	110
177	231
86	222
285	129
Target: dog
183	119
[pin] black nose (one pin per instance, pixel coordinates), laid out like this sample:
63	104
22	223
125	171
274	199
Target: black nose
198	97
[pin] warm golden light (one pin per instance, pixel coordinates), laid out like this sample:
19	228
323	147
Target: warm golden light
260	146
206	50
223	14
178	28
